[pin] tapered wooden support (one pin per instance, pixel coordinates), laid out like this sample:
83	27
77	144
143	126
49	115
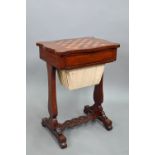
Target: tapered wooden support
51	123
97	107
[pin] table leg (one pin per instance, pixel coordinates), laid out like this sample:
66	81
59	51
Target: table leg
51	123
97	107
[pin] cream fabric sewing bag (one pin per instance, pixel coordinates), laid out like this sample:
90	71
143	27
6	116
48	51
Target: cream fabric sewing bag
82	77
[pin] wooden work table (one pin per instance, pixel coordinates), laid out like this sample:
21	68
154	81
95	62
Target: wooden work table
74	54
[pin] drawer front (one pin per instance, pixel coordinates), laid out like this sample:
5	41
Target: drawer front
88	59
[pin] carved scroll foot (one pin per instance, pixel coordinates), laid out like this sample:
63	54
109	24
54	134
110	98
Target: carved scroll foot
98	110
56	132
106	122
44	122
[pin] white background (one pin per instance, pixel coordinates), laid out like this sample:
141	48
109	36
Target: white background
13	77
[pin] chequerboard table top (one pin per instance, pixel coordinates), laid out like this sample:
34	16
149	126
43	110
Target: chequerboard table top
83	44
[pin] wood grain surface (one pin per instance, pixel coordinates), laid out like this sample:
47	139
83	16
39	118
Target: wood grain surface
67	46
77	52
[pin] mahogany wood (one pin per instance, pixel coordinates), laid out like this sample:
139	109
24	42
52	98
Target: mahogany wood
97	107
79	52
77	45
69	54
